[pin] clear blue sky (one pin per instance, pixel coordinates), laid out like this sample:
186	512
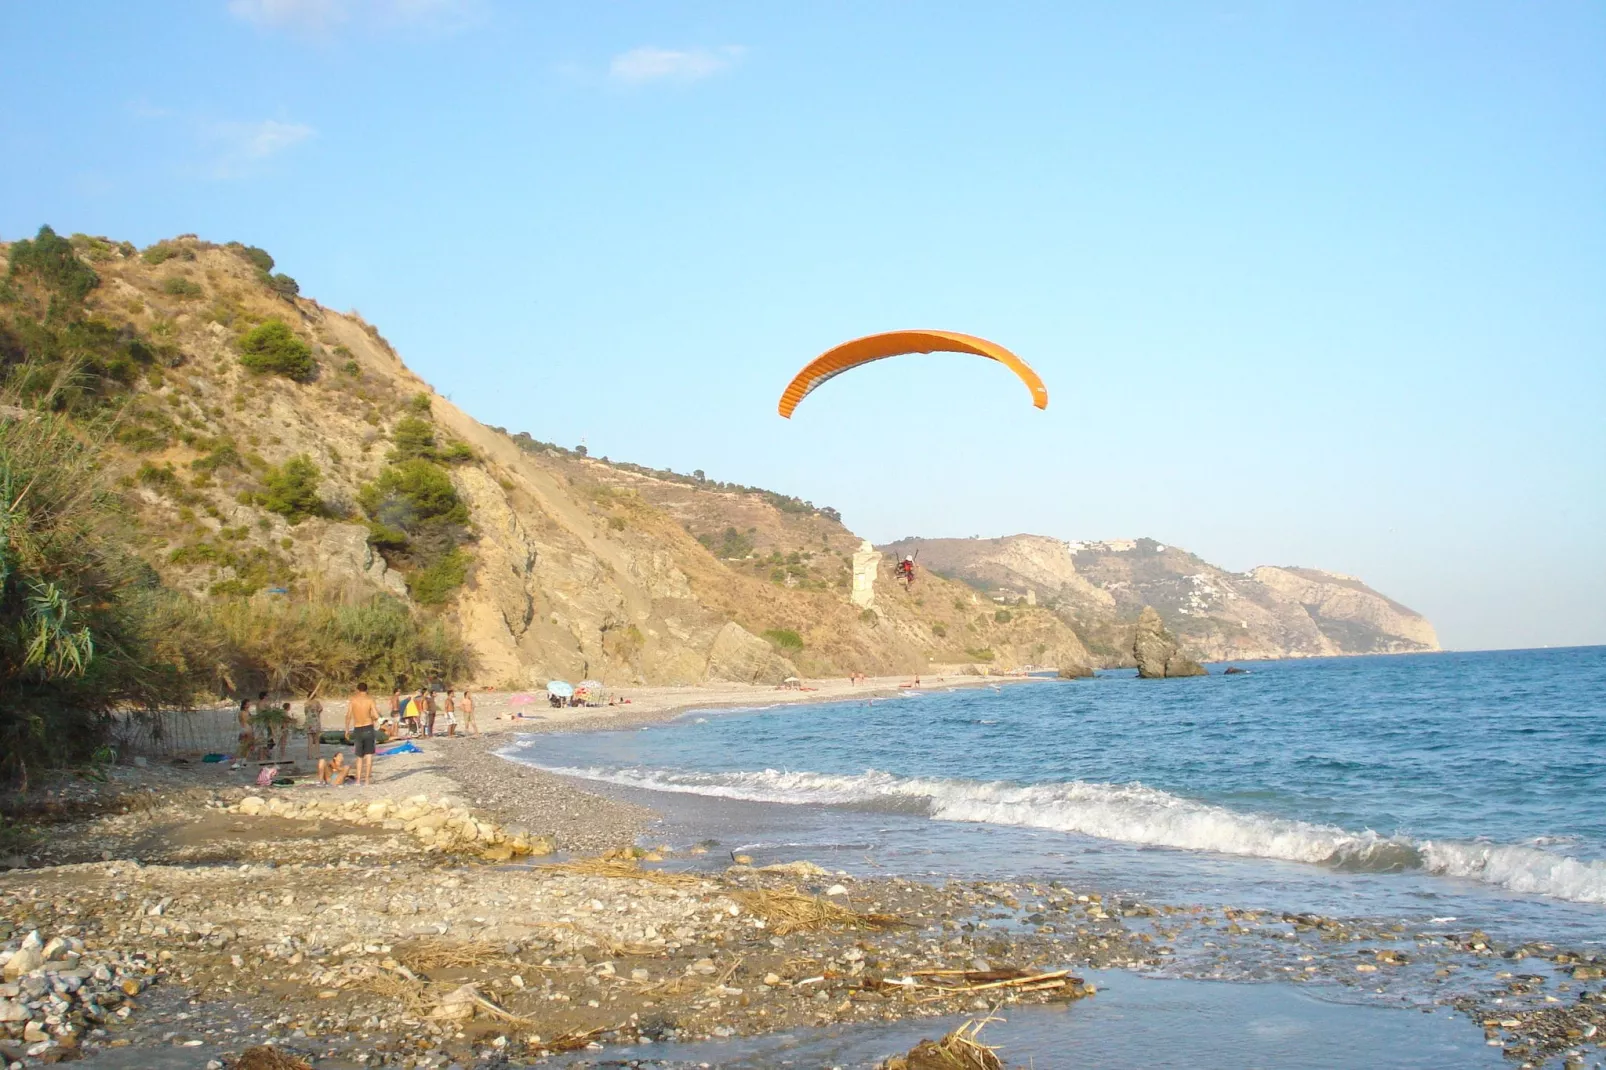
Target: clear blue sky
1309	284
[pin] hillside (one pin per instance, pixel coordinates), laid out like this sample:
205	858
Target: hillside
1100	587
267	447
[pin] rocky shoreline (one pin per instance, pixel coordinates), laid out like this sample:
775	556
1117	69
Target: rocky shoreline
469	911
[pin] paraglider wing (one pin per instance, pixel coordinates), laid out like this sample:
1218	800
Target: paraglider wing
897	343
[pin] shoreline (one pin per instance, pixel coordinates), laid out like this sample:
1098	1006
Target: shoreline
315	917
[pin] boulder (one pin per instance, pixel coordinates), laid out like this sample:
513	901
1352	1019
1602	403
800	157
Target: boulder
1075	672
742	657
344	555
1155	650
253	804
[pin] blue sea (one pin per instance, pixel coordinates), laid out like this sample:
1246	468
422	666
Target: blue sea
1449	791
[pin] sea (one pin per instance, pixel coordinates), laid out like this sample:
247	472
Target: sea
1441	793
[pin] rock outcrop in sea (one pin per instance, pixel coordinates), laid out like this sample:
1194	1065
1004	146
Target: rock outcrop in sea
1155	650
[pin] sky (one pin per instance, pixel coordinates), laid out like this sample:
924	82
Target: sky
1310	284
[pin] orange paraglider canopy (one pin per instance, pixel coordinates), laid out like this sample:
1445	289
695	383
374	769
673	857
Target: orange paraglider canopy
897	343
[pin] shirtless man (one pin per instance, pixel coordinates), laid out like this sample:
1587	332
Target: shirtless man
361	718
466	708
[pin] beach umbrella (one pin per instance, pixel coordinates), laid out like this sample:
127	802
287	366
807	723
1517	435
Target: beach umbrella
560	688
521	699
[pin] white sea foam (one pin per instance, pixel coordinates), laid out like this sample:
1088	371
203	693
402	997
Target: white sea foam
1133	813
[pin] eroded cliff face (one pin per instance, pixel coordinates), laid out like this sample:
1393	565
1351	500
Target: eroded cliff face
575	567
1099	588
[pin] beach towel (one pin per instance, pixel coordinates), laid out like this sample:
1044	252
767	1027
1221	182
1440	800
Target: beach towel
405	748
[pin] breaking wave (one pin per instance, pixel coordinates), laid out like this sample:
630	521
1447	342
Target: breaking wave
1133	813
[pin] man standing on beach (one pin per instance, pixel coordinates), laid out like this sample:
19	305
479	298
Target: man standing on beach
361	718
467	708
243	750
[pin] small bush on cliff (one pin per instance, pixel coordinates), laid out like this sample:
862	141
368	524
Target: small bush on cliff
434	584
273	349
291	490
411	494
784	639
179	286
51	260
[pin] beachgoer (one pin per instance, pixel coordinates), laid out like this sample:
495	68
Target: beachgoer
361	716
466	707
284	731
396	704
334	771
451	713
427	701
242	750
312	724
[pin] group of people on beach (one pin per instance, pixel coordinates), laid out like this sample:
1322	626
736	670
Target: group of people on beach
265	727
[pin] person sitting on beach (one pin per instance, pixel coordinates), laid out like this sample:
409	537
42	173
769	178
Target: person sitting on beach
334	771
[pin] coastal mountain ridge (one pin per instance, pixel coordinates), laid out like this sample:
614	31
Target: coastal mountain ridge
1100	587
268	447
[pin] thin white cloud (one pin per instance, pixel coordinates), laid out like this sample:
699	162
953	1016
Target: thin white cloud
320	18
651	64
242	146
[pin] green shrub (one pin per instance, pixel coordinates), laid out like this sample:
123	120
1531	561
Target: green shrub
434	584
75	631
413	438
940	630
222	455
982	654
291	490
350	367
731	545
179	286
50	259
410	493
163	480
160	253
273	349
1003	616
616	523
784	639
283	285
456	452
382	537
419	403
257	258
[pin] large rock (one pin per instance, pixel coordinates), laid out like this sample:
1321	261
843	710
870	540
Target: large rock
344	555
1155	650
742	657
